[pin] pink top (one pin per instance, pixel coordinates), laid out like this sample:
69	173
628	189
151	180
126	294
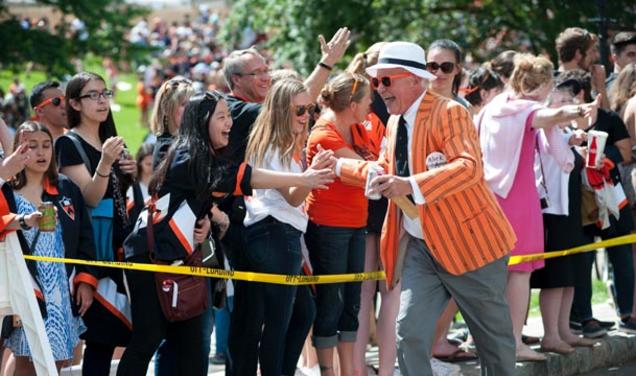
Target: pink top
522	206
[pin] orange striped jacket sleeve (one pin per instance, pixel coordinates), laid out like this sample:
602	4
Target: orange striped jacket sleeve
454	135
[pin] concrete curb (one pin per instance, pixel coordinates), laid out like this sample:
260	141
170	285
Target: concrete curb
614	349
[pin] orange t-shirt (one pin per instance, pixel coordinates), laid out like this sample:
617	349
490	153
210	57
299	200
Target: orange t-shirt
341	205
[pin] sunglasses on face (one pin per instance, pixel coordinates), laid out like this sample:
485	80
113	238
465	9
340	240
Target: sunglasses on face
301	110
55	101
446	67
386	80
95	95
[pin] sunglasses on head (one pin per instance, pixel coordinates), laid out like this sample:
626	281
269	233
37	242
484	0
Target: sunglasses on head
301	110
446	67
386	80
55	101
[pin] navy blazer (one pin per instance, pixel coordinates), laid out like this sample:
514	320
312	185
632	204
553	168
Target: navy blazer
77	231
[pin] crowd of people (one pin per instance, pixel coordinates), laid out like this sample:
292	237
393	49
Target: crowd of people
403	162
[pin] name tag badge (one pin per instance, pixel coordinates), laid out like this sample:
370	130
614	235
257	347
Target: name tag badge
435	160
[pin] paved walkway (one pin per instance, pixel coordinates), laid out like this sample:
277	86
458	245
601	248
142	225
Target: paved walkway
606	351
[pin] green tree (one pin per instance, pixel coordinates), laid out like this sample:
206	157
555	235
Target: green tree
483	27
106	22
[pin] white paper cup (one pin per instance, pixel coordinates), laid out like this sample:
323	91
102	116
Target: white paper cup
595	147
373	171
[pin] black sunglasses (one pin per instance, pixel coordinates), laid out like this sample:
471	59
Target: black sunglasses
95	95
446	67
301	110
386	80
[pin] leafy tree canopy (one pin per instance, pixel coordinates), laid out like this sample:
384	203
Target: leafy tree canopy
105	24
483	27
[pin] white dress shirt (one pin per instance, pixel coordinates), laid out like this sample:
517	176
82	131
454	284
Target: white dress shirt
413	226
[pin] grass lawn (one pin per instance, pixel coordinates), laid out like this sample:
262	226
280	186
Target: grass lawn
600	294
127	119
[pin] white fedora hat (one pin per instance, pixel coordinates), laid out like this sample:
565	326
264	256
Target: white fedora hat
405	55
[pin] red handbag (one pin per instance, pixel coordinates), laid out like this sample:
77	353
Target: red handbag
181	297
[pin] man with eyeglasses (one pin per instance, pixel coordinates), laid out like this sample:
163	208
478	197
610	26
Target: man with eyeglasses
248	77
49	106
457	244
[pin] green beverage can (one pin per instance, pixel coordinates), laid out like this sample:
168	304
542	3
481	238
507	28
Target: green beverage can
48	220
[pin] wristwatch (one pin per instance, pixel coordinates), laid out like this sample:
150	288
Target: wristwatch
22	222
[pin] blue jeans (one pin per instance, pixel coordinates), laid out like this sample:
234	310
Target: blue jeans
262	311
300	323
336	250
222	325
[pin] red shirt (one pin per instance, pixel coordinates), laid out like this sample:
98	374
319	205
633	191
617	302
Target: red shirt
341	205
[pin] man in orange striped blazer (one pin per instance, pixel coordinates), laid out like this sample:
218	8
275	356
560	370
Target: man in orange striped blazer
458	242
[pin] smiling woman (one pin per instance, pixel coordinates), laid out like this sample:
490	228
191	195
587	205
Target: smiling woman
190	180
444	60
275	221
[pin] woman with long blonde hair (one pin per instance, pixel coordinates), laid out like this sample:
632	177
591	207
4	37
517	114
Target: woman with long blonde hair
274	222
170	101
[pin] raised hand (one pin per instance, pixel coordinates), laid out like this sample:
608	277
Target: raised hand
14	163
590	110
333	50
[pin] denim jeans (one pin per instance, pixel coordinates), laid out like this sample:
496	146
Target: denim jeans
336	250
222	325
300	323
262	311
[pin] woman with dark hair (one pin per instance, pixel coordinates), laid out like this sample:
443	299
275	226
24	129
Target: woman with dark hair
137	193
444	60
187	184
71	237
483	85
91	156
503	64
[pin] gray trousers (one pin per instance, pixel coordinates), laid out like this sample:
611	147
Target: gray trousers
426	290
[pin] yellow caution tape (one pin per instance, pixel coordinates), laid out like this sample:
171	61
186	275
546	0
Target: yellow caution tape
221	273
308	280
621	240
